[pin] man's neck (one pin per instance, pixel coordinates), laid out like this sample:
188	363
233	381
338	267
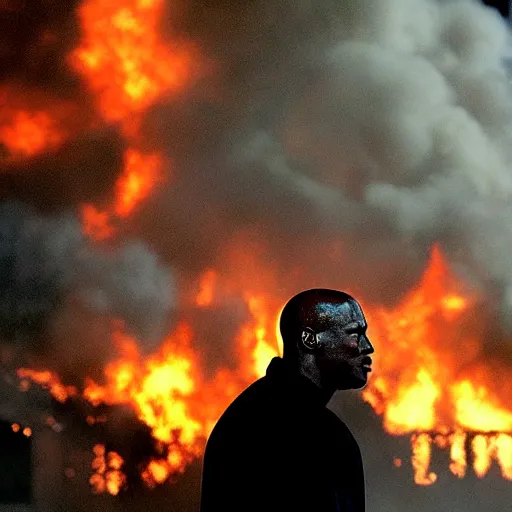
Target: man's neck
313	375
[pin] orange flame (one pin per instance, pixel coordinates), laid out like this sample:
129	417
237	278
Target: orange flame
30	133
122	57
206	289
419	386
50	381
139	177
257	337
107	474
421	453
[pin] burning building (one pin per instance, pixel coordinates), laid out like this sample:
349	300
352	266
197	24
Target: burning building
171	172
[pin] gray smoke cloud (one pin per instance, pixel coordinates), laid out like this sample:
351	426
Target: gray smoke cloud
49	269
383	124
338	140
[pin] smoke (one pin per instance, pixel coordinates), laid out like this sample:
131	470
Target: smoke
325	144
49	269
383	123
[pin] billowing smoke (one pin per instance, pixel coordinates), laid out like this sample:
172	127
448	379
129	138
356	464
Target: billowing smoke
329	143
385	125
49	267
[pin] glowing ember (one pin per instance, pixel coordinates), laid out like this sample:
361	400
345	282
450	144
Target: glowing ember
107	471
420	386
122	57
30	133
156	472
15	427
50	381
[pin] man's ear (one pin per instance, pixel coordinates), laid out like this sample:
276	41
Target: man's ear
309	339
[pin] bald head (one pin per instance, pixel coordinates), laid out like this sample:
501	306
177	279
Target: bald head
324	336
311	308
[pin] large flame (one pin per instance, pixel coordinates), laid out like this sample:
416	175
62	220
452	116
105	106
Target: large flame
420	387
424	385
122	57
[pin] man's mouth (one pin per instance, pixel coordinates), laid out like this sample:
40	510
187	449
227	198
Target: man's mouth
367	364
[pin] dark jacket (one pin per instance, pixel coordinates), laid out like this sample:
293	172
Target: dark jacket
278	448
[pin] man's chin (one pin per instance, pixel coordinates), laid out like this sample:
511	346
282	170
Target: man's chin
354	383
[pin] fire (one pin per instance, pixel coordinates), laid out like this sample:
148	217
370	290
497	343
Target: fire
421	459
257	337
475	409
139	177
206	289
419	386
458	453
30	133
96	223
107	474
50	381
128	68
122	57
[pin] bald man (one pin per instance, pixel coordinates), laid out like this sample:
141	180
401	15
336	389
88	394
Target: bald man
277	447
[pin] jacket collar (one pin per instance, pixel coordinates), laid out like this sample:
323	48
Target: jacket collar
297	385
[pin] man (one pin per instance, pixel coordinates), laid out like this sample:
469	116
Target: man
277	447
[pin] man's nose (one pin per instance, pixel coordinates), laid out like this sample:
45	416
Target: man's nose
366	346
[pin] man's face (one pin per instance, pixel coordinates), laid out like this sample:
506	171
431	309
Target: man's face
344	360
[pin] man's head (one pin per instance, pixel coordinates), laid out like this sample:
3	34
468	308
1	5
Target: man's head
324	334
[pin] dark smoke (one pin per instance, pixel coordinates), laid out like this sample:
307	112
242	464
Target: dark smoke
50	270
333	141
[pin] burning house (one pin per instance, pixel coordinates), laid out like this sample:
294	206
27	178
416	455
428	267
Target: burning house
172	172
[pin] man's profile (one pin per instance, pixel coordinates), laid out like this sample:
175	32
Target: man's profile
277	447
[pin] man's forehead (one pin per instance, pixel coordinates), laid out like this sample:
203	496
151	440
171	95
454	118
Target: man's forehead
348	312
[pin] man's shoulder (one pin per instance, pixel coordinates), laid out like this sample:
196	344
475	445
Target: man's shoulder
249	410
339	426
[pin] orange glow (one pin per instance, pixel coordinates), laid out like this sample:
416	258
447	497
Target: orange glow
429	381
107	476
458	454
15	427
50	381
206	289
122	57
257	337
30	133
160	389
475	409
156	472
503	447
140	175
420	385
482	452
96	224
27	431
421	453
